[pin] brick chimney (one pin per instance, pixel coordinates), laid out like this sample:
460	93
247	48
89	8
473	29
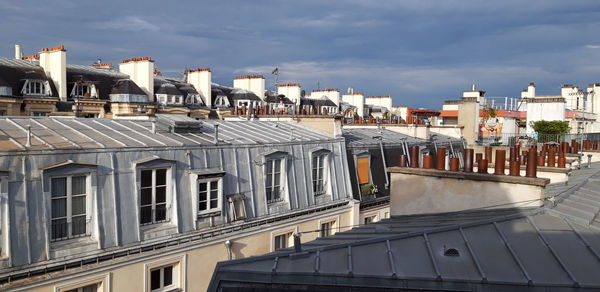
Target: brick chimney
140	71
54	62
291	91
253	83
201	79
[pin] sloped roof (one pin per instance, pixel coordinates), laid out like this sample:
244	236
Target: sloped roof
78	133
368	136
322	101
277	98
14	72
552	248
167	88
103	79
126	86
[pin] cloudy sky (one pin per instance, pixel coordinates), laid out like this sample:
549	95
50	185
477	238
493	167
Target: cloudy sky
419	51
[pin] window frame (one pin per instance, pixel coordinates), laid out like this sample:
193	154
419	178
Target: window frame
335	228
29	88
200	175
207	181
153	203
69	207
284	231
156	162
103	281
270	176
326	156
179	273
362	154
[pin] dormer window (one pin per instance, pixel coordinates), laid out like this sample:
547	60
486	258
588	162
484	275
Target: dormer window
36	88
222	101
84	89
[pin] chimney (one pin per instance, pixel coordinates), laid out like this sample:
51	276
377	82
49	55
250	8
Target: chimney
201	79
18	52
54	62
291	91
254	83
140	71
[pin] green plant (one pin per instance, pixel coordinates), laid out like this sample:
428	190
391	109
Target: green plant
368	189
551	127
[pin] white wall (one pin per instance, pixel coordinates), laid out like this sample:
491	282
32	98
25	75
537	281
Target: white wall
357	100
291	91
332	94
572	96
550	111
385	101
253	83
201	80
54	63
141	71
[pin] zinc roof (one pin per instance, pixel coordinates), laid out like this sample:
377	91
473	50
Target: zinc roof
48	133
548	248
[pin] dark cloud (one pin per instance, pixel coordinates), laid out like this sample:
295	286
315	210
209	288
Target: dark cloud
420	51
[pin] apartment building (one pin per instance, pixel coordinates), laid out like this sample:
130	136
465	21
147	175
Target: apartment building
138	205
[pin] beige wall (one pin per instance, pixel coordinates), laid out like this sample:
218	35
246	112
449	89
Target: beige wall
468	118
419	194
200	258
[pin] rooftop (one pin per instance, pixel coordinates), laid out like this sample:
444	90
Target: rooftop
554	247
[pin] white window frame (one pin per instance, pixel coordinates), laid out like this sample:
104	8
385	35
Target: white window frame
81	88
289	230
335	228
323	158
30	85
153	204
208	181
69	211
103	281
271	177
222	100
179	273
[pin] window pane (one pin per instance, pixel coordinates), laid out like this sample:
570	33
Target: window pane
155	279
78	226
146	178
59	208
214	203
202	187
214	186
277	165
146	196
161	212
214	194
269	194
269	166
161	194
90	288
202	205
161	177
168	276
146	214
78	205
277	179
59	228
78	185
59	187
363	170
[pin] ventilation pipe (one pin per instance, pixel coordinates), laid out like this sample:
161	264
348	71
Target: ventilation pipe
28	136
18	52
153	127
228	244
297	242
216	141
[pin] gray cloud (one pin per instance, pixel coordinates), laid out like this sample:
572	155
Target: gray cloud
420	51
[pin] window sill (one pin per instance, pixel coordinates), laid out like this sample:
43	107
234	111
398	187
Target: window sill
207	214
69	247
157	230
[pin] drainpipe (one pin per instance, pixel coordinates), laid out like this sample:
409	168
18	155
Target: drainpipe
228	243
216	141
387	181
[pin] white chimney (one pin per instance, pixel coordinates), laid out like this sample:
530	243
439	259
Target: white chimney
356	99
18	52
254	83
54	62
291	91
201	79
140	71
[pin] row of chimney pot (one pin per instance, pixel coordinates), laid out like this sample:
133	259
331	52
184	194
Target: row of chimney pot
482	163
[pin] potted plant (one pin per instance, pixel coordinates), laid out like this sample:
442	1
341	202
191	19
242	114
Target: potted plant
368	191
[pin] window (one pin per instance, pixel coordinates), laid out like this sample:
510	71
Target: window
34	87
370	219
208	196
87	288
69	195
170	99
362	164
153	205
38	114
2	113
83	90
273	180
221	100
318	176
177	99
161	278
327	228
282	241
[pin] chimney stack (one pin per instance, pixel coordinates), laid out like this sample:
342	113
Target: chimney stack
291	91
140	71
54	62
253	83
18	52
201	79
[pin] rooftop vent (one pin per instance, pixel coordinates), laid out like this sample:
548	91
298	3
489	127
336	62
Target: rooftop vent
178	123
451	252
